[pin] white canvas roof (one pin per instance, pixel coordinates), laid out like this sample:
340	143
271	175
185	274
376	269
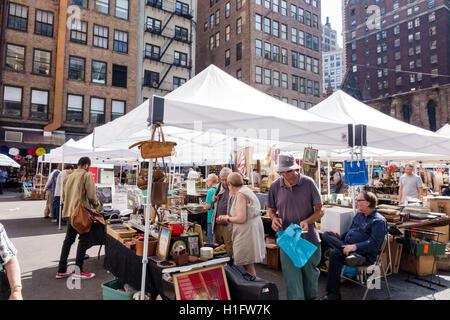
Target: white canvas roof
214	100
383	131
6	161
445	130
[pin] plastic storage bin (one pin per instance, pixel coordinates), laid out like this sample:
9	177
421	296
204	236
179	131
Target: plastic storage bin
110	291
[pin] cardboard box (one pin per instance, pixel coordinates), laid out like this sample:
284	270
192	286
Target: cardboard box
442	237
421	266
439	204
120	235
443	262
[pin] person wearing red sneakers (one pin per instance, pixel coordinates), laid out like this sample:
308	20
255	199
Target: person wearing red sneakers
70	198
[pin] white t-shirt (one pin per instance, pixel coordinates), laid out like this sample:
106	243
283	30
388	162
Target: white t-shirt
410	186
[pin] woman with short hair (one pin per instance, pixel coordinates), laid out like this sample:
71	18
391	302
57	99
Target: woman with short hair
247	226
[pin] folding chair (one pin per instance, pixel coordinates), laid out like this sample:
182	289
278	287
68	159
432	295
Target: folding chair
365	279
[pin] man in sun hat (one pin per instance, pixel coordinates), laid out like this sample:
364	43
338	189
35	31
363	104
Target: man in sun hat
295	198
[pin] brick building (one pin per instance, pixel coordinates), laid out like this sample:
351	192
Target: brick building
168	45
406	49
68	66
272	45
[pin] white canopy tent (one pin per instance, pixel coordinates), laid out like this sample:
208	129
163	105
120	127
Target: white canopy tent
6	161
445	130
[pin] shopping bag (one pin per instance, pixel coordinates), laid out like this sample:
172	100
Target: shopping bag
297	248
356	173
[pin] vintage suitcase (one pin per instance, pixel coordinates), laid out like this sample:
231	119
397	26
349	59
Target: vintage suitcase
245	286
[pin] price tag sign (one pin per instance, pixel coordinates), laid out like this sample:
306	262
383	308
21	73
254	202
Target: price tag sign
119	201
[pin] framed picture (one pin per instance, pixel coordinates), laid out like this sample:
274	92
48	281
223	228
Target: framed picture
202	284
162	250
310	156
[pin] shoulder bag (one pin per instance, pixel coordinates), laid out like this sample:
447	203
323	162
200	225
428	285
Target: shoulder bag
82	218
155	149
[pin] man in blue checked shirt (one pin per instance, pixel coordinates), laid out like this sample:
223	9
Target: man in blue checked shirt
358	246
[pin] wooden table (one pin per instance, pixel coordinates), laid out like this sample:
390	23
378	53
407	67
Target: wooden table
443	221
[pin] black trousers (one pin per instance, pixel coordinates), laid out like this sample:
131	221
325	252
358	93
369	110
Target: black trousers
83	245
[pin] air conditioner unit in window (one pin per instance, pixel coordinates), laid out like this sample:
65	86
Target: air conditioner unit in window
13	136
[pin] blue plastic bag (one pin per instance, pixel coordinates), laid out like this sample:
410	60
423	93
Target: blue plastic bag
356	173
297	248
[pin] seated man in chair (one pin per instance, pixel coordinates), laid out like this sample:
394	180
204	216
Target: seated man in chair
359	246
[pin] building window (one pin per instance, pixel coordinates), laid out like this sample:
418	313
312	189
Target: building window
258	74
316	66
293	12
74	112
301	15
283	8
239	26
98	72
101	6
315	43
119	76
44	23
18	17
227	9
315	21
181	34
258	22
15	58
434	58
275	28
294	59
76	68
294	35
267	77
309	87
275	6
117	109
120	41
12	102
276	79
316	89
239	51
227	33
181	8
267	25
308	64
152	52
78	32
211	20
227	57
238	4
239	74
308	41
284	56
258	48
42	62
302	85
433	45
301	38
267	4
122	9
301	64
81	3
267	51
211	43
284	81
217	39
180	59
178	82
294	83
97	111
153	25
39	105
276	53
283	31
217	16
151	79
101	35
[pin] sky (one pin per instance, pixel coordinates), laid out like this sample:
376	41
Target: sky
333	9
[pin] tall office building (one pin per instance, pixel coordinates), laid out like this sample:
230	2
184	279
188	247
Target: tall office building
272	45
67	66
168	45
396	46
333	69
329	37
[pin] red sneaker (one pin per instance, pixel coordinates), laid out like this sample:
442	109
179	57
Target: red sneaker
83	275
60	275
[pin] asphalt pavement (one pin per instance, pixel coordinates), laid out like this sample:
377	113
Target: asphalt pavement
39	242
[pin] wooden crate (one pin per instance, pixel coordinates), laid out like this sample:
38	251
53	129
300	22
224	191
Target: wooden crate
273	256
120	235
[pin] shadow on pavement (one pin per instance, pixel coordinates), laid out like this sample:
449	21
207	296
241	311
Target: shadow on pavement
41	284
31	227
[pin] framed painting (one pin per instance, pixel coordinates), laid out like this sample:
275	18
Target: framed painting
162	250
310	156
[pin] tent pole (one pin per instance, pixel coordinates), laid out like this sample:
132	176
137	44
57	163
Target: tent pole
251	175
328	180
353	194
147	224
60	204
120	174
318	177
42	172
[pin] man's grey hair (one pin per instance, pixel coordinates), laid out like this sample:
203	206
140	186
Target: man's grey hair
225	171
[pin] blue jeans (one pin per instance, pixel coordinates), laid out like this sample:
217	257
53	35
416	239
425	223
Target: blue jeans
55	207
210	233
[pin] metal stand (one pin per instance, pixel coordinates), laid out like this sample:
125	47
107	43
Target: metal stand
434	268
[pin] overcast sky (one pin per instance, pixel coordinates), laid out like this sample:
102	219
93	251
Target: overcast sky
333	9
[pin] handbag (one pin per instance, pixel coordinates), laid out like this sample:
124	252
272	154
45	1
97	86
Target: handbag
5	290
356	173
160	188
82	218
155	149
245	286
297	248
